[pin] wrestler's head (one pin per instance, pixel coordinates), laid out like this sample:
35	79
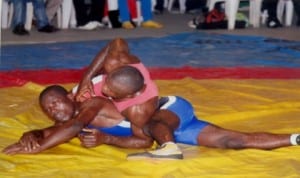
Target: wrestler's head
55	103
124	82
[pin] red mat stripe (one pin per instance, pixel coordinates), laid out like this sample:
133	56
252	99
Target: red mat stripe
50	76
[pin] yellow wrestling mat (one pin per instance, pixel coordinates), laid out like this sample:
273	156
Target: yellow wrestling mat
245	105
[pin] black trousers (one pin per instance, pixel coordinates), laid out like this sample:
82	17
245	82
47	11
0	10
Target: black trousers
89	10
271	7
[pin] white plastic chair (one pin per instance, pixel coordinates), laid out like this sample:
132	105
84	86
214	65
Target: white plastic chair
182	6
255	12
287	7
66	16
231	8
4	14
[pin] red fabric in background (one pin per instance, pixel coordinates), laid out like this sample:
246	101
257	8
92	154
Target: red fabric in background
51	76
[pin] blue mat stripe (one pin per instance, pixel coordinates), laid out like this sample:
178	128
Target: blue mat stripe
187	49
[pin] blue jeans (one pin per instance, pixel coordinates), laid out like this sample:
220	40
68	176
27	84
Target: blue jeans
145	10
19	16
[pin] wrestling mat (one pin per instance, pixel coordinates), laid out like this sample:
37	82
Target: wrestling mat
237	82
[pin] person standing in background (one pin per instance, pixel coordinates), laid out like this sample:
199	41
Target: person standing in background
89	13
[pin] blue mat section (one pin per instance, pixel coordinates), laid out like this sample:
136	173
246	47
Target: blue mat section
188	49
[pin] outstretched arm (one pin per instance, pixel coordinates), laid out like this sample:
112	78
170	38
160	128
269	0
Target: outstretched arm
36	142
40	140
29	141
99	65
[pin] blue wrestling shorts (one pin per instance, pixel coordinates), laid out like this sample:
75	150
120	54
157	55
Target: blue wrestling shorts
189	127
187	131
122	129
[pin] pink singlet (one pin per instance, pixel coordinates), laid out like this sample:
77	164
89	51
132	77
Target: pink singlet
150	91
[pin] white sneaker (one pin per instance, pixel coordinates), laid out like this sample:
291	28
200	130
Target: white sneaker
169	151
89	26
100	25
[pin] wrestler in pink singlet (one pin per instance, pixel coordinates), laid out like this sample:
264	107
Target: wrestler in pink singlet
150	91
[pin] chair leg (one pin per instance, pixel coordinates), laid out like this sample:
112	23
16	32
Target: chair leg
139	13
66	13
289	10
255	12
280	10
182	6
73	21
231	7
170	5
10	14
4	14
29	16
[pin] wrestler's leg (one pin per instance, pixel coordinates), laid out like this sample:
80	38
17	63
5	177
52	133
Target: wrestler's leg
214	136
162	126
161	129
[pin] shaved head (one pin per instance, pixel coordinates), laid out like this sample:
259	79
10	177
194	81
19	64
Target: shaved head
126	79
53	90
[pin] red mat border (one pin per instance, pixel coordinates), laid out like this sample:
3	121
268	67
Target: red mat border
50	76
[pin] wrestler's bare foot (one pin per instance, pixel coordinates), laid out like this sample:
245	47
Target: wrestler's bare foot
151	24
168	151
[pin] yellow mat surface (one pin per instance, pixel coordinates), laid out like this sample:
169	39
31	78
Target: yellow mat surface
245	105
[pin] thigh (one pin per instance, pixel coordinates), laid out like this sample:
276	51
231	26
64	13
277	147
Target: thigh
217	137
167	117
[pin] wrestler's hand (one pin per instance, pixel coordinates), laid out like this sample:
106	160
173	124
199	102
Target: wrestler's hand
29	141
91	138
17	148
85	91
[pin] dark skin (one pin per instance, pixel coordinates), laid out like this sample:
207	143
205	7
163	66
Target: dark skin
164	123
75	116
71	118
115	55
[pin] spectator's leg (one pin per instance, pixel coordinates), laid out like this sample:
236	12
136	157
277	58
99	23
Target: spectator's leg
147	15
297	10
159	7
81	12
271	7
19	17
125	15
97	10
52	7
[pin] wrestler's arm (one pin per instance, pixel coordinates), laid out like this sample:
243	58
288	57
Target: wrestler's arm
29	140
106	60
85	85
138	115
116	45
59	133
